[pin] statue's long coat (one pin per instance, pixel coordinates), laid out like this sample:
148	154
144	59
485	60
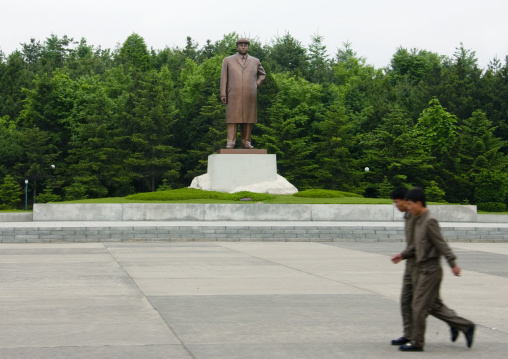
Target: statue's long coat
238	83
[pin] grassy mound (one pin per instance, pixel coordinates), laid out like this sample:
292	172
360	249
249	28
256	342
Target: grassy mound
325	193
193	193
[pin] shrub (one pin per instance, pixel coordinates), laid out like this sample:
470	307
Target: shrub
193	193
325	193
434	193
48	196
164	186
75	191
492	207
385	188
490	187
252	195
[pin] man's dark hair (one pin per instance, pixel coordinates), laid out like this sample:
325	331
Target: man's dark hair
416	195
398	193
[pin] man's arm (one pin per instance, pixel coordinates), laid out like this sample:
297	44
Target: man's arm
438	241
409	252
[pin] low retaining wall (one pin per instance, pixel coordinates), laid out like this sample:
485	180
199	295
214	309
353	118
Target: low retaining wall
492	218
239	222
16	217
239	212
305	233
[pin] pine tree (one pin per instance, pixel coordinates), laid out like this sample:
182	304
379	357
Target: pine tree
10	193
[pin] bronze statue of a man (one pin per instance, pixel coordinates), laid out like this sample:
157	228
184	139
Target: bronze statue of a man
241	75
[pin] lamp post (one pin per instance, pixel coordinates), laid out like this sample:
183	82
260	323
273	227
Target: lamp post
26	194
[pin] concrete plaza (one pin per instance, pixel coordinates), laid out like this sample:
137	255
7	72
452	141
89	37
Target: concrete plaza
235	300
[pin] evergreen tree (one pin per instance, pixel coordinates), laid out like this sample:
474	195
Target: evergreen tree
415	76
288	55
212	116
55	52
149	122
320	70
40	154
11	150
47	107
197	112
14	77
10	193
393	154
480	152
436	128
460	83
495	93
135	53
96	160
337	167
437	132
288	132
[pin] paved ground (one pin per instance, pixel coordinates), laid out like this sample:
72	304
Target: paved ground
234	300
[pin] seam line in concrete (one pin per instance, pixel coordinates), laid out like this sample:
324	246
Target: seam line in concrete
302	271
149	301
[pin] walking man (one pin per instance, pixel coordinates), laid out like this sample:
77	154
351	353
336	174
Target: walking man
398	197
427	250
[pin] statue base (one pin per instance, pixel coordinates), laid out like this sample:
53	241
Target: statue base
235	172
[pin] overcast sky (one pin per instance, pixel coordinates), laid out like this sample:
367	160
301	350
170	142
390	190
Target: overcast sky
374	28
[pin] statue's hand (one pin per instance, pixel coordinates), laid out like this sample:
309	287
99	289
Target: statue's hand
224	100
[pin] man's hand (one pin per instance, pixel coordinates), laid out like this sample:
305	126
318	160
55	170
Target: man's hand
224	100
397	258
456	271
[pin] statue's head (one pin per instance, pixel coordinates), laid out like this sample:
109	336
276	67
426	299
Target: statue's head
242	45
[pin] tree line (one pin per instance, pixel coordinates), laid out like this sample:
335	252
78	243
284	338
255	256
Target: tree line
79	121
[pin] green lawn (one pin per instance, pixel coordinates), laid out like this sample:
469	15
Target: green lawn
500	213
279	199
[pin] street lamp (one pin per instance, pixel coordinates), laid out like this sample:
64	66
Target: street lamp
26	194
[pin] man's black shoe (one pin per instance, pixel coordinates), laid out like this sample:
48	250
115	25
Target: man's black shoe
469	336
409	347
400	341
455	333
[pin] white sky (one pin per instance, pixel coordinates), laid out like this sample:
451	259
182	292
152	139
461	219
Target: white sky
375	28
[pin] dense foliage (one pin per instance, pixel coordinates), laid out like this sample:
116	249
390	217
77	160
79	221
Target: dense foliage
128	120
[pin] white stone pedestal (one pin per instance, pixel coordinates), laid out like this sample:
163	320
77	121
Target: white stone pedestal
243	172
